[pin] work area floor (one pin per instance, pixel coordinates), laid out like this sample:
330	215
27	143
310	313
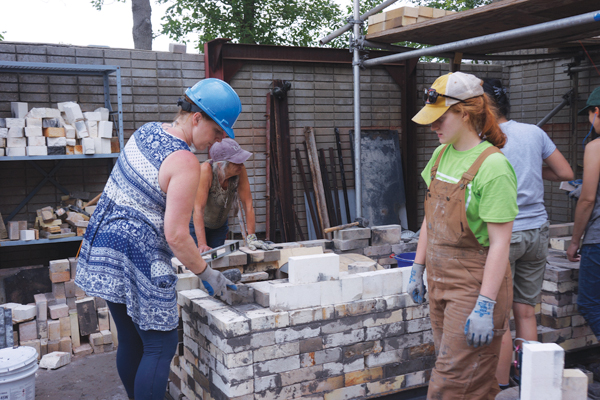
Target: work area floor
92	377
95	377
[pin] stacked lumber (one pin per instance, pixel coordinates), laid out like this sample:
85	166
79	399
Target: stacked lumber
66	320
403	16
65	130
71	218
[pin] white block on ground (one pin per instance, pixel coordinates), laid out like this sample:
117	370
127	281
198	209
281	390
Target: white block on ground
287	296
92	128
542	371
55	360
574	385
33	122
313	268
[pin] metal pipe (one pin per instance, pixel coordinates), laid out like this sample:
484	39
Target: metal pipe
573	139
356	73
347	27
513	34
566	100
402	49
581	69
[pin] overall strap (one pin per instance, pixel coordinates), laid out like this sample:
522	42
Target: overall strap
437	163
472	171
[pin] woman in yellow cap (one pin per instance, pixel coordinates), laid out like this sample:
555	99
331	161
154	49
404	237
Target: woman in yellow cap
470	205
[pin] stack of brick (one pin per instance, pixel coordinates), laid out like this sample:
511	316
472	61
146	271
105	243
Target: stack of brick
378	243
560	322
404	16
71	218
325	334
56	131
65	320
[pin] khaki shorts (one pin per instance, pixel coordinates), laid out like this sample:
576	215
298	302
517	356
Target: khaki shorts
528	252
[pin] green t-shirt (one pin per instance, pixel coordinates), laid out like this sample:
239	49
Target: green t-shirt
490	197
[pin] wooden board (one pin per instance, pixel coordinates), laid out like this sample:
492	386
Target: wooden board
498	17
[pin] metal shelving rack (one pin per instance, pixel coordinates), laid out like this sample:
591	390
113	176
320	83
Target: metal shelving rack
63	69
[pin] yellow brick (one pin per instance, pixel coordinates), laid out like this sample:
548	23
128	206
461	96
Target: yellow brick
385	385
363	376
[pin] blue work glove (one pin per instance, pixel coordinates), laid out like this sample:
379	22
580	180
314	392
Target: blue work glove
479	328
416	288
214	282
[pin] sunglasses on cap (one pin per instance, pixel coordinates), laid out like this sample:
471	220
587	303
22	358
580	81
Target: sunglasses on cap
430	96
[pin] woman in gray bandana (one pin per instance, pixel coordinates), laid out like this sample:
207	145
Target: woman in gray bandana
223	179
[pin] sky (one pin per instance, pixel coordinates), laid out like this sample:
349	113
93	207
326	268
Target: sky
77	22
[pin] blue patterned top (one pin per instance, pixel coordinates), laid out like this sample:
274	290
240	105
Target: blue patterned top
124	256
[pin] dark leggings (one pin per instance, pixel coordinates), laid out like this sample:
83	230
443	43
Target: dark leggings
143	357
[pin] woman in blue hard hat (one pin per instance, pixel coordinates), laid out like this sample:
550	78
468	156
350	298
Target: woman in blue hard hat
223	179
141	221
587	219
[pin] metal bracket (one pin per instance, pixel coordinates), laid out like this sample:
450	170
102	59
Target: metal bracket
350	19
213	254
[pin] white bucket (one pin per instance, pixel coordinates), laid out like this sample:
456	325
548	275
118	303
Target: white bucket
17	373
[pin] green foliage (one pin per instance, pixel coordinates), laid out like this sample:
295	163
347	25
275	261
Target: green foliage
454	5
97	4
270	22
2	36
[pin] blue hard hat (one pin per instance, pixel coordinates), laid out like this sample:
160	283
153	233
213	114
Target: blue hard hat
217	99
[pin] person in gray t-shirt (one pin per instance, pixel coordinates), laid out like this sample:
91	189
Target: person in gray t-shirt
527	148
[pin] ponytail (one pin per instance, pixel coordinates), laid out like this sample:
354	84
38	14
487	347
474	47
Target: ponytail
482	117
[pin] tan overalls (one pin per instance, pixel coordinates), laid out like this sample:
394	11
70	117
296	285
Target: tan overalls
455	264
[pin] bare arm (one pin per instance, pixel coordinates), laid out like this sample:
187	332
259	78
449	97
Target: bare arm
246	198
206	176
178	177
421	255
587	199
497	258
557	169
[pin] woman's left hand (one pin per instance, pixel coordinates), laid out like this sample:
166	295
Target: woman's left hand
479	328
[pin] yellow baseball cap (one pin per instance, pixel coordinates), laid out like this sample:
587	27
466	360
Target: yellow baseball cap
447	90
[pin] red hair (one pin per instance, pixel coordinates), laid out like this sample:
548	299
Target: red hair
482	117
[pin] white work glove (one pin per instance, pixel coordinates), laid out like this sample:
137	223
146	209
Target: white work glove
416	288
253	243
479	328
214	282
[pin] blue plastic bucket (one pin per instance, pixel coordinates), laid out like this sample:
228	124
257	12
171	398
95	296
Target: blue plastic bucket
405	259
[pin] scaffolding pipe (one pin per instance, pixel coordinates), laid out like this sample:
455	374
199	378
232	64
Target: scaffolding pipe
581	69
363	17
566	101
356	72
468	56
583	19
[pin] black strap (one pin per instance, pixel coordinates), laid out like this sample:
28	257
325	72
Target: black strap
187	106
